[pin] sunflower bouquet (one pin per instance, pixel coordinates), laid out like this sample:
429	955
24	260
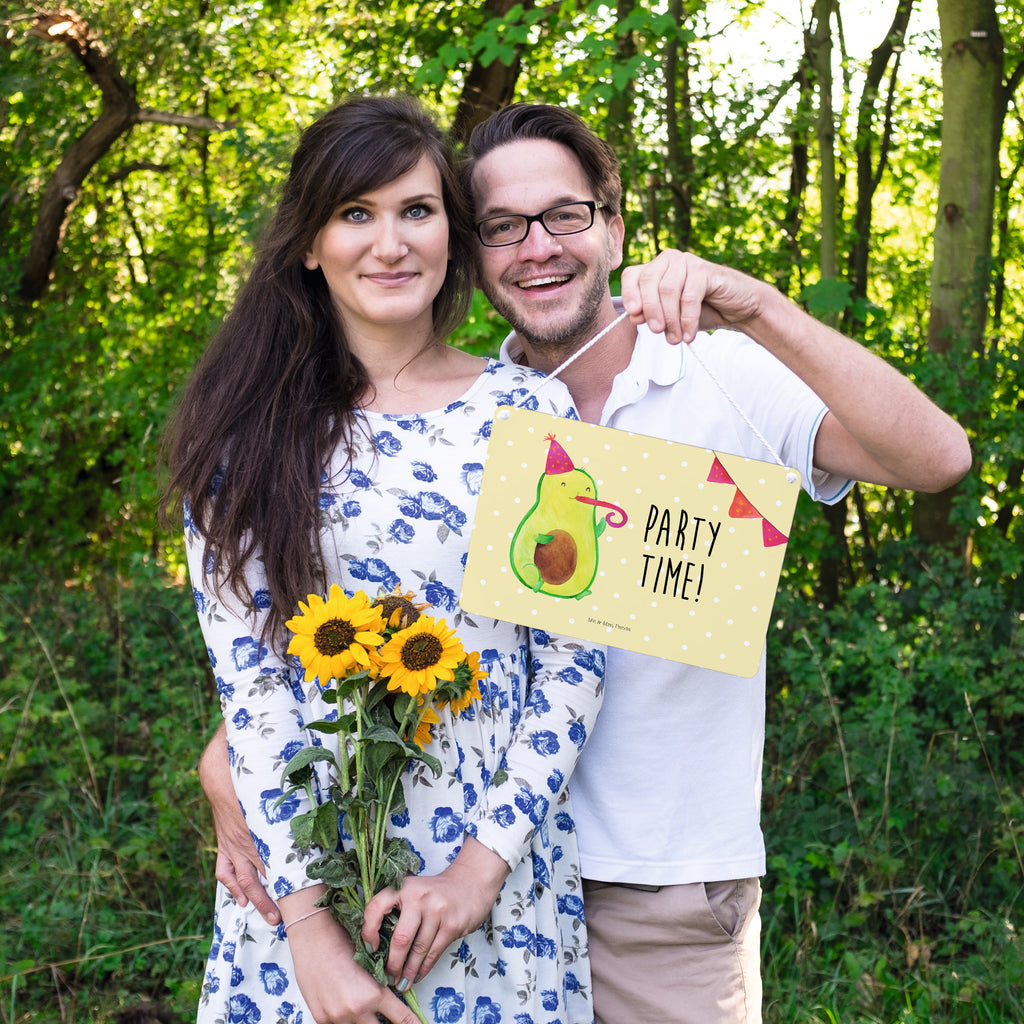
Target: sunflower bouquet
390	669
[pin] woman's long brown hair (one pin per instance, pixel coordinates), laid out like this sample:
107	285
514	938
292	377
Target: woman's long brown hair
273	396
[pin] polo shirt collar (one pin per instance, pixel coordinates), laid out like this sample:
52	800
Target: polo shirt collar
653	360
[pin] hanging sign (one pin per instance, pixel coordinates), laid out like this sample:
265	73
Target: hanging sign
631	541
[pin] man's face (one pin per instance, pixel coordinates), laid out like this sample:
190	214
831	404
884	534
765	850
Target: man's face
552	289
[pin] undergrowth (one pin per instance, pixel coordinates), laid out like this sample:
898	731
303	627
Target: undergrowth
893	799
106	878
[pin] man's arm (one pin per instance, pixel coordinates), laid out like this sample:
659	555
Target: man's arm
880	428
238	864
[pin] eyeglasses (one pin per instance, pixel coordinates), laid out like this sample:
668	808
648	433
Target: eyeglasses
564	219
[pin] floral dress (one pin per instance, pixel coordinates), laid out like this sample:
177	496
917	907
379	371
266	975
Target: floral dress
401	516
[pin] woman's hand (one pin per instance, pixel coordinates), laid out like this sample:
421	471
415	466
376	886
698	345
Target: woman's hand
336	989
435	910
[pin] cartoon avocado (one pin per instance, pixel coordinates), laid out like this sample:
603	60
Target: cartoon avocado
554	550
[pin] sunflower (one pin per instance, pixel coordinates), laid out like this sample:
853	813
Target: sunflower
472	691
417	657
400	610
334	636
423	734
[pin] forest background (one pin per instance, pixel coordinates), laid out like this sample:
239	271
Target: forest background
866	158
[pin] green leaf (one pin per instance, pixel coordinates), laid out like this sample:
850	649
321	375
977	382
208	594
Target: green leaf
377	701
303	826
827	298
498	52
429	760
398	861
372	963
339	870
381	757
299	769
342	799
325	826
453	55
348	686
328	726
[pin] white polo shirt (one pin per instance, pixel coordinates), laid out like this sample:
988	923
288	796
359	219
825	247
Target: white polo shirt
668	789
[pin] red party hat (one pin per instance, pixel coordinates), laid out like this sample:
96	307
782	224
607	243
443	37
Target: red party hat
558	458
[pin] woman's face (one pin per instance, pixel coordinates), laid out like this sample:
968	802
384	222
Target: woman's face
385	254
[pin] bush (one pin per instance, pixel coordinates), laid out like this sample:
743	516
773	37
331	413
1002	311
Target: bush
107	884
893	800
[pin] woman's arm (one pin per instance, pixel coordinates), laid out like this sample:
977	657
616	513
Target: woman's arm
565	693
336	989
263	714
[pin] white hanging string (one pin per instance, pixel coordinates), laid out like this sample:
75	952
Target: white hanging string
732	401
692	351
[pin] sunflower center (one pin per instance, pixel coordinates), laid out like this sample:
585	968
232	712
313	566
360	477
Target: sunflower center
421	651
334	636
391	603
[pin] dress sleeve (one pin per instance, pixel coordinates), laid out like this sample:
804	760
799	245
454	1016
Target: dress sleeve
565	691
263	706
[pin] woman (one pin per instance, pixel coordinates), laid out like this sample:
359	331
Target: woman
329	435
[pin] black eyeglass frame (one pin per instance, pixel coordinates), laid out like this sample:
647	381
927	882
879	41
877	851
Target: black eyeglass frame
591	204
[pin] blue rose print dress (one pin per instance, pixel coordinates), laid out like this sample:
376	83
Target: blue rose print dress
402	515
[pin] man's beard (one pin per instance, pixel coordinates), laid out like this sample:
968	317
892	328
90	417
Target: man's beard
567	336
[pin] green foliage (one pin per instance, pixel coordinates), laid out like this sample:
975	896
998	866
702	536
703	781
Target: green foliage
893	782
893	799
107	867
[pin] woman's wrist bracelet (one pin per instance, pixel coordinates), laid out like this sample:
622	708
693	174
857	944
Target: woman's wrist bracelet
312	913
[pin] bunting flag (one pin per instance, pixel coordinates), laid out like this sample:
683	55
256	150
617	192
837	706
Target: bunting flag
772	537
718	474
741	508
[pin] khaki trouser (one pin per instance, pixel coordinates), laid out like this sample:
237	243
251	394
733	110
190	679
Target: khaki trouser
675	954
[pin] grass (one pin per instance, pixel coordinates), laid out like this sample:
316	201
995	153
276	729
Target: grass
893	809
107	881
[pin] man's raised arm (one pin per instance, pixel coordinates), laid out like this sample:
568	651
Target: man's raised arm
238	864
881	428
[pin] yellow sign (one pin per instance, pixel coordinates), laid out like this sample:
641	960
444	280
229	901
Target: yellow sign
627	540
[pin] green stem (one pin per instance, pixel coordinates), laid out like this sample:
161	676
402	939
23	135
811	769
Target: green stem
381	825
344	767
360	834
411	718
414	1004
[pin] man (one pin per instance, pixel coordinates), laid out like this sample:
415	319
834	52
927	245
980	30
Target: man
667	792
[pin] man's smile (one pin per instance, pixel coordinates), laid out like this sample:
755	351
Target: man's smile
540	282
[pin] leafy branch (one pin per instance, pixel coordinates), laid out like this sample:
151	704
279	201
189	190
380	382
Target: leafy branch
119	113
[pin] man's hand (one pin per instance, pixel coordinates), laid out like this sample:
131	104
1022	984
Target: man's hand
238	864
435	910
678	293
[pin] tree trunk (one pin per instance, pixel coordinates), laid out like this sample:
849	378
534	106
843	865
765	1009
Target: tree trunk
117	115
869	170
487	89
619	130
972	117
973	105
819	55
679	132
